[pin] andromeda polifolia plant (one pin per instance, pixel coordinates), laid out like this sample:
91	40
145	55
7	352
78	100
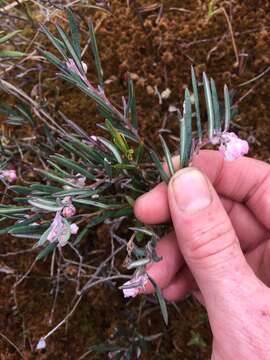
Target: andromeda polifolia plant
90	179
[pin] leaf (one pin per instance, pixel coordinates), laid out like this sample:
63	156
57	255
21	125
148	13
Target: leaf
217	120
197	103
131	106
70	48
159	166
209	106
112	148
58	44
227	108
7	37
95	52
45	204
44	189
10	210
11	54
97	204
168	156
162	302
22	190
75	34
45	252
43	237
72	165
52	176
53	59
186	132
138	263
144	231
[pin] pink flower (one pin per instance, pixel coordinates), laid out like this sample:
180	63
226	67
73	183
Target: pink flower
232	147
132	287
56	228
69	211
74	228
8	175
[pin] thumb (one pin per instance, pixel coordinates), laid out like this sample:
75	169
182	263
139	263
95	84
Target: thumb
205	235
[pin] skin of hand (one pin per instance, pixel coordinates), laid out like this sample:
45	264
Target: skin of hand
220	248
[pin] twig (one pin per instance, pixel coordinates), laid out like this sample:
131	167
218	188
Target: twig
12	344
223	11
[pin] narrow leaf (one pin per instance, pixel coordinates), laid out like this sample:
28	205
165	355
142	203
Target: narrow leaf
227	108
168	156
162	302
209	106
95	52
217	120
159	166
197	103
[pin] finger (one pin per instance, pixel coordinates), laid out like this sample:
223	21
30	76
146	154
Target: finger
259	261
182	285
243	180
248	229
163	272
205	236
152	207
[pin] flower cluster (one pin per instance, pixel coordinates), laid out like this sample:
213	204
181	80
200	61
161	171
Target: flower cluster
133	287
232	147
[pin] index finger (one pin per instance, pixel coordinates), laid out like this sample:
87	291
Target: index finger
244	180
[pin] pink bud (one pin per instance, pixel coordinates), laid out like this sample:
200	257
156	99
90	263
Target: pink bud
132	287
69	211
9	175
232	147
74	228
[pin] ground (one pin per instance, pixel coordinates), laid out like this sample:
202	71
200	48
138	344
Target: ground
157	48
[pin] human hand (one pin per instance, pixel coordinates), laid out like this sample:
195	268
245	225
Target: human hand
220	248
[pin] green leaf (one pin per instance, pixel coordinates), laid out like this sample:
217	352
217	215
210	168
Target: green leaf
44	189
209	106
10	210
112	148
197	103
97	204
75	34
159	166
70	48
138	263
217	120
54	177
143	230
72	165
11	54
58	44
22	190
161	301
45	204
131	106
186	132
53	59
7	37
95	52
168	156
45	252
43	237
227	108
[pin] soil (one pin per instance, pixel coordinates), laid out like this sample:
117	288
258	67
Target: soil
157	48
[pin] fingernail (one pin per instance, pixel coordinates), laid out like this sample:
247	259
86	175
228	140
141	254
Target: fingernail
191	191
